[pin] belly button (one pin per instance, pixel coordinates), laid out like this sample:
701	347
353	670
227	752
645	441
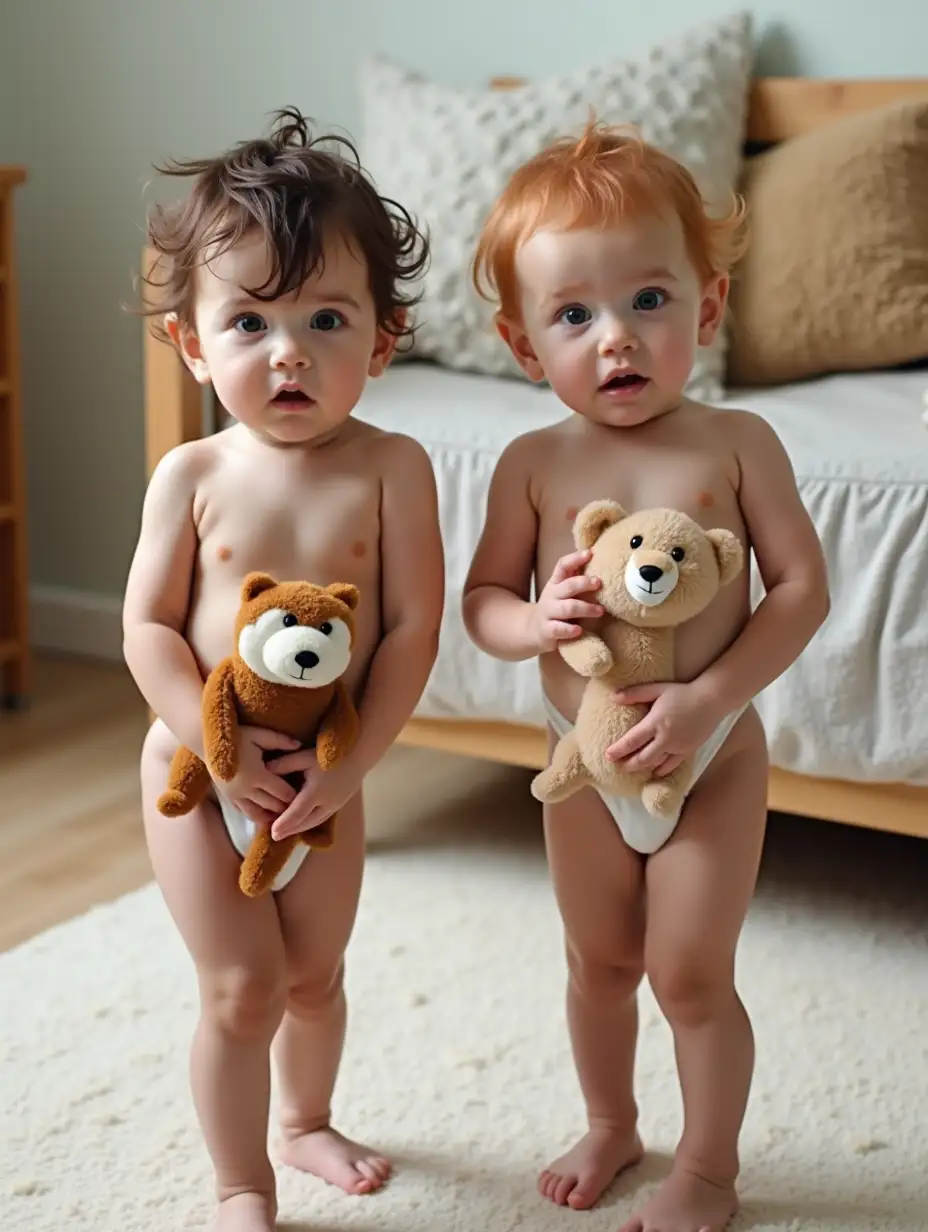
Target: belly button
224	553
358	549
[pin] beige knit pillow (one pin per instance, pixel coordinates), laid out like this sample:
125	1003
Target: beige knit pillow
836	275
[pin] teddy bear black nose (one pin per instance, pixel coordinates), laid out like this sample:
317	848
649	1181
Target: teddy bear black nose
651	573
307	658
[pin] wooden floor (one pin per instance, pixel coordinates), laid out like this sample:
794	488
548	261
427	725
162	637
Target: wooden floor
70	825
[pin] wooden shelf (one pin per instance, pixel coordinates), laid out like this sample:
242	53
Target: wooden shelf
14	634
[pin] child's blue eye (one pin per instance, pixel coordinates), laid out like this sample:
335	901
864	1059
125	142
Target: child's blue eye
649	299
249	323
575	314
327	319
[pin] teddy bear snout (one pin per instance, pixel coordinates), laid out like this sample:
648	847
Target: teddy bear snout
650	577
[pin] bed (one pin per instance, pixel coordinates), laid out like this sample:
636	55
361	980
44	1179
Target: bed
847	726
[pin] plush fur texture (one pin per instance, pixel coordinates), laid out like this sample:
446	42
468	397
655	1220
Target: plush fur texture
293	643
658	568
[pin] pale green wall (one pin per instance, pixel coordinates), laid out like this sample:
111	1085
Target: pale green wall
101	88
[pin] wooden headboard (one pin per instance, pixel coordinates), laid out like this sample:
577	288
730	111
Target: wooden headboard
784	107
779	108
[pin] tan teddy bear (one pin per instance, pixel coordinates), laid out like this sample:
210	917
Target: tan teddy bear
293	643
658	568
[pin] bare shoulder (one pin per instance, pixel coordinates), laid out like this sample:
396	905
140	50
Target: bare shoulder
743	428
179	475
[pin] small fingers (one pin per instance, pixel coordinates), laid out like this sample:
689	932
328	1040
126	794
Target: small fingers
277	788
562	631
667	766
576	609
569	564
266	739
260	807
304	760
578	584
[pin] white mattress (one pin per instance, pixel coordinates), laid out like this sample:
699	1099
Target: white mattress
854	706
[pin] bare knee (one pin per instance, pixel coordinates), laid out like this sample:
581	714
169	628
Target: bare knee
690	993
598	973
316	989
245	1004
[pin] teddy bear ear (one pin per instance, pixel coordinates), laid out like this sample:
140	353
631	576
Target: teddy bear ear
348	594
256	584
594	519
728	552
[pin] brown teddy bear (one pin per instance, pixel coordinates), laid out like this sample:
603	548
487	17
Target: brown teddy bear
293	643
658	568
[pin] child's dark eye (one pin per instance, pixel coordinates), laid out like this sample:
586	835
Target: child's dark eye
575	314
677	554
649	299
290	620
249	323
326	628
327	320
635	542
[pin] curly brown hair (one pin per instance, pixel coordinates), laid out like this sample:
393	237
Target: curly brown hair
293	190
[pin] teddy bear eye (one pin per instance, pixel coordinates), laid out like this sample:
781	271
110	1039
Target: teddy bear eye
636	541
325	628
290	620
677	554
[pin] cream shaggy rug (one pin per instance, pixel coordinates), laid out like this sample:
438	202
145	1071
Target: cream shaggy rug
457	1061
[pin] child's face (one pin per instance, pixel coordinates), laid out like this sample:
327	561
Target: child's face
612	318
292	370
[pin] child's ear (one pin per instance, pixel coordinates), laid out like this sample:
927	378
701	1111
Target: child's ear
185	339
515	337
385	345
712	308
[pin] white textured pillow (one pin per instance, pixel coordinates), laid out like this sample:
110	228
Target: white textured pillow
446	154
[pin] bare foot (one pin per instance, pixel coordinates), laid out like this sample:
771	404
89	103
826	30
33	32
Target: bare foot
246	1212
579	1178
328	1154
686	1203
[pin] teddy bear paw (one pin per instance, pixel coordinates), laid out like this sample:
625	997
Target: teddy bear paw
661	799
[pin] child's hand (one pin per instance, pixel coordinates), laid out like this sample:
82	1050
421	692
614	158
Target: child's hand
558	607
256	790
323	793
680	720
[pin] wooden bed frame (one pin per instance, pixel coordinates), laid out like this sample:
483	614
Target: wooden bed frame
780	108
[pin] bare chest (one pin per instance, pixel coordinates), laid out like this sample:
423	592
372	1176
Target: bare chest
699	482
320	529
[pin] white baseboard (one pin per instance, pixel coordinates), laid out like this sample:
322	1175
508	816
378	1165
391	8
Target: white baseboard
75	622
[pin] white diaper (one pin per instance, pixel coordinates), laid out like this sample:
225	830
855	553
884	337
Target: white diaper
644	833
242	830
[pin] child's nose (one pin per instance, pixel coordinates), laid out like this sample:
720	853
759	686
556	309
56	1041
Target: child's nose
617	338
289	354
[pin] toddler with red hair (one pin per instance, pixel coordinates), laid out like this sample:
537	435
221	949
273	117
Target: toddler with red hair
610	270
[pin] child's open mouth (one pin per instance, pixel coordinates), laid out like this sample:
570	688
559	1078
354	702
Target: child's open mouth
291	399
624	385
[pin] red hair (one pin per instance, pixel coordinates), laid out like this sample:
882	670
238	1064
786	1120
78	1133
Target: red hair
593	181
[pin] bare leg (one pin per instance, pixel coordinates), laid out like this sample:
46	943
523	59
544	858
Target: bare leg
699	889
564	775
317	912
238	950
599	883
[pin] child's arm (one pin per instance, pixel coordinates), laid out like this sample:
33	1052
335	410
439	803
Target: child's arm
792	565
157	597
154	646
498	612
412	599
790	561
